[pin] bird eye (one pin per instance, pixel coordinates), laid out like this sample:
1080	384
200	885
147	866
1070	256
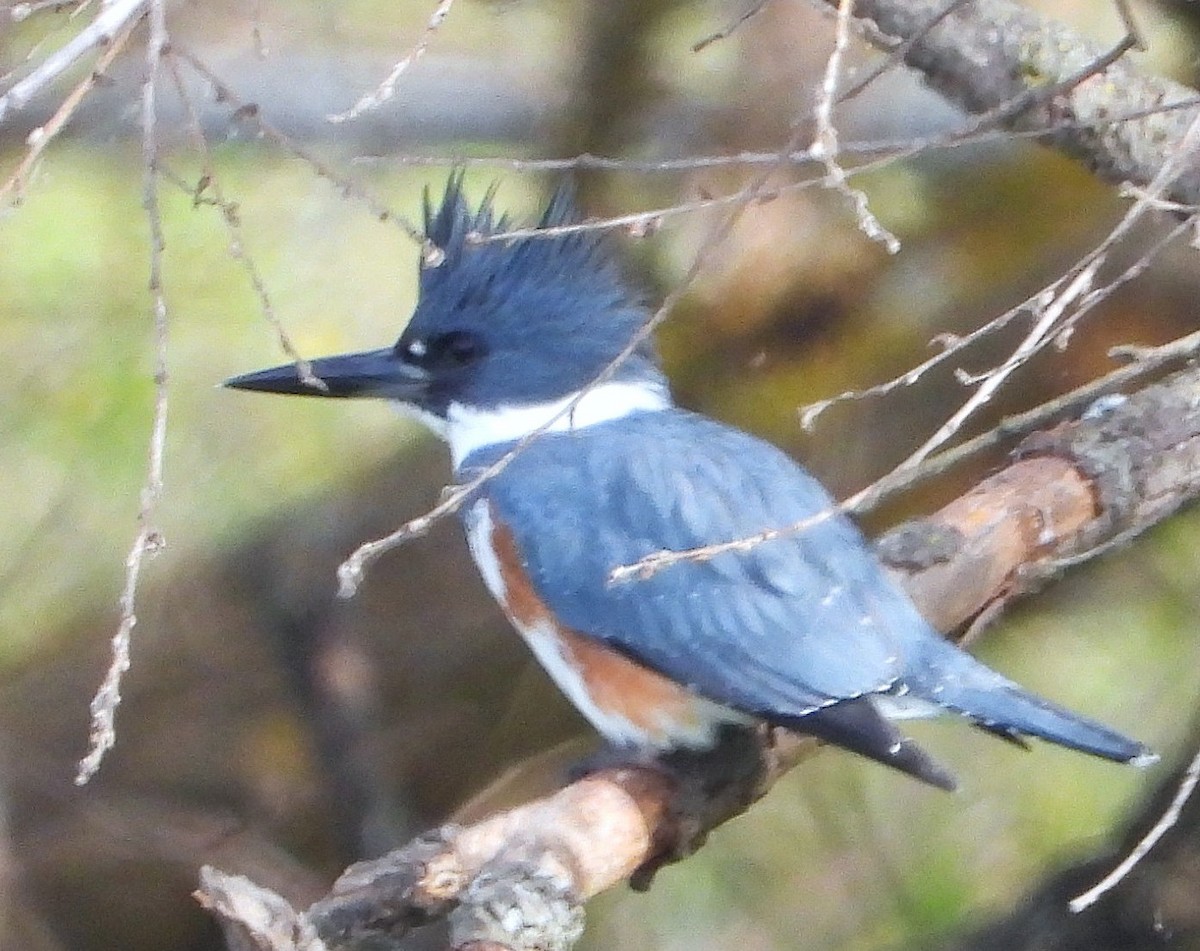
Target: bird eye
455	348
458	347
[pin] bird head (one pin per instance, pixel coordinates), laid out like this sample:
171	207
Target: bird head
503	329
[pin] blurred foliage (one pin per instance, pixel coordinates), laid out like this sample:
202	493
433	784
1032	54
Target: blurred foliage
797	306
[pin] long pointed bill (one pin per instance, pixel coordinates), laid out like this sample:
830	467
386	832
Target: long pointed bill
374	373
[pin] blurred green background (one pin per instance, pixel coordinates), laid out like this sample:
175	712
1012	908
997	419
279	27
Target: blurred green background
270	729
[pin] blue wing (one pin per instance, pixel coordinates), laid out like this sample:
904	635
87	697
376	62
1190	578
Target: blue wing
785	628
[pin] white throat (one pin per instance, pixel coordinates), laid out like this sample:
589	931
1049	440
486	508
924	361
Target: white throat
467	429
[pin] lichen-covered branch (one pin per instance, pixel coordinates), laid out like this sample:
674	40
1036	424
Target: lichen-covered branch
518	879
997	56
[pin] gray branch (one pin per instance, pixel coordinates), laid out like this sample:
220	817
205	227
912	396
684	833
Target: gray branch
997	57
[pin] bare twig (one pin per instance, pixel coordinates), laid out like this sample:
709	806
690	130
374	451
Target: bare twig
42	136
1052	324
637	222
952	345
20	12
250	112
981	129
1147	362
112	19
386	89
1045	301
148	541
825	143
726	32
1054	306
1130	23
237	247
884	149
896	56
1168	819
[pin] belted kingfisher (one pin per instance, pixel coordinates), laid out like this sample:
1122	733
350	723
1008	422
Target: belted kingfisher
805	631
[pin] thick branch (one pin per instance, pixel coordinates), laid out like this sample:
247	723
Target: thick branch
996	56
518	879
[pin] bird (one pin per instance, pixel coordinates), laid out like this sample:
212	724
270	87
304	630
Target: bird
535	354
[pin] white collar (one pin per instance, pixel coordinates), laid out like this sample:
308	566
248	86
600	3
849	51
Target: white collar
467	429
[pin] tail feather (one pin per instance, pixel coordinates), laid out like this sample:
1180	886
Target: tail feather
960	683
1012	710
858	726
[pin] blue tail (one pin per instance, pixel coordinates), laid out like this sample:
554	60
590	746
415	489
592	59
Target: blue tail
953	679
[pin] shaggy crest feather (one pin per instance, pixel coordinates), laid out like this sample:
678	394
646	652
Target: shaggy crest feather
560	302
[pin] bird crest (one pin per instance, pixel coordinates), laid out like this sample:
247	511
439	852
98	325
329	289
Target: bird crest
561	299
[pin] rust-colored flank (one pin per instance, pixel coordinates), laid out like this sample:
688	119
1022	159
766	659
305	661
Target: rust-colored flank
617	685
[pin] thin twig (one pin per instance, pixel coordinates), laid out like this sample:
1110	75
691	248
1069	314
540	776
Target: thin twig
1148	361
979	130
251	112
957	344
148	542
825	142
638	221
237	247
20	12
1043	327
883	149
588	161
42	136
1052	325
896	56
725	32
888	153
386	89
1050	302
951	344
1131	25
111	20
1168	819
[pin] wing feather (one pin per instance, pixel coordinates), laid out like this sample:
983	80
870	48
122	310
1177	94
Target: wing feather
787	627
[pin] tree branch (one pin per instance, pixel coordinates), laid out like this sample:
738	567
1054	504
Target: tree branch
519	878
990	55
